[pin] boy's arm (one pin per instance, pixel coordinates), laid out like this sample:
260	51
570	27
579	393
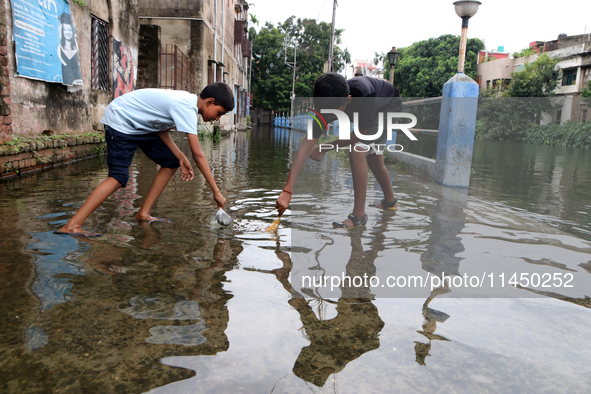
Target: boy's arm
186	169
203	165
296	167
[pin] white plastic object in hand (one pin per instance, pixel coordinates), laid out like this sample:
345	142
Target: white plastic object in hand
222	218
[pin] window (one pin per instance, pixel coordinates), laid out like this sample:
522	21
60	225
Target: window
100	54
569	77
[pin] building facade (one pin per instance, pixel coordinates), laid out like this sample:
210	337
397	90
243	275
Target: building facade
574	61
118	46
201	42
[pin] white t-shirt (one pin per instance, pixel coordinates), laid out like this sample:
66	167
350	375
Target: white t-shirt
147	111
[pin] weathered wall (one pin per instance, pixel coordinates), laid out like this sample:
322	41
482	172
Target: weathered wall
172	8
42	154
37	105
193	27
173	31
5	111
149	57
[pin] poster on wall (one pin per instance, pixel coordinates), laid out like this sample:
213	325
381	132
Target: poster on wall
124	75
45	41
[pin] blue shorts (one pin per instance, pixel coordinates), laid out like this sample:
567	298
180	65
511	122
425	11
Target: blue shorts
121	148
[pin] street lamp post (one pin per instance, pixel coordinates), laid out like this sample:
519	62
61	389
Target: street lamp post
392	59
292	65
465	9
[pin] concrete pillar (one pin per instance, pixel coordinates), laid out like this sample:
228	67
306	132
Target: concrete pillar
457	124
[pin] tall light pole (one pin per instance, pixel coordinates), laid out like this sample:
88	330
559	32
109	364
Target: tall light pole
331	47
465	9
293	65
392	59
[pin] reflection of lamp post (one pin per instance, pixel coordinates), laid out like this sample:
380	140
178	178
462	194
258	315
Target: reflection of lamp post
465	10
392	59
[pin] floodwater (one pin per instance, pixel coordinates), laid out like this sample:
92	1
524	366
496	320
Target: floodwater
189	307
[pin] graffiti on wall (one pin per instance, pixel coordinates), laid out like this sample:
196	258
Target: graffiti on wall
45	41
124	69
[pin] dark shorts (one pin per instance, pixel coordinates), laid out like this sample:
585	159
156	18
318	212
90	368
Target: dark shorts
121	148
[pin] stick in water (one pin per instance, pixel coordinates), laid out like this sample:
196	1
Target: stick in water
275	225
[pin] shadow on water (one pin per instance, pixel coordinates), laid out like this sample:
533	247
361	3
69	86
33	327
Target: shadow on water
189	307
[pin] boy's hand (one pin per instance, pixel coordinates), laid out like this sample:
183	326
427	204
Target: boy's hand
282	202
316	154
186	170
219	199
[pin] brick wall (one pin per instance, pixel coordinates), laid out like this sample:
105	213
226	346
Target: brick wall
24	157
5	118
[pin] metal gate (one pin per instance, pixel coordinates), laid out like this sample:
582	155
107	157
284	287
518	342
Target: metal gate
176	70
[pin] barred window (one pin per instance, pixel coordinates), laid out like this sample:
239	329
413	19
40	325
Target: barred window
100	54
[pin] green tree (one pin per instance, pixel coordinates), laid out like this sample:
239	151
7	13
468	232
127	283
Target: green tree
425	66
273	46
524	53
522	105
378	58
586	92
537	79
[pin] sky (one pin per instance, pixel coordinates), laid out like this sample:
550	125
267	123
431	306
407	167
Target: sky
377	25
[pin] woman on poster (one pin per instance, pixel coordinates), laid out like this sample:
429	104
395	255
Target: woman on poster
68	52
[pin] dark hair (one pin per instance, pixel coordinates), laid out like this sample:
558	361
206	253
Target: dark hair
72	41
332	85
221	93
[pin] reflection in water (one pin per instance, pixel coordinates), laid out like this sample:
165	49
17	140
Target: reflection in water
194	300
352	332
440	258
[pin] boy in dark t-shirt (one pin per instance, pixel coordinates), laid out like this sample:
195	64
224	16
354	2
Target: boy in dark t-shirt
367	97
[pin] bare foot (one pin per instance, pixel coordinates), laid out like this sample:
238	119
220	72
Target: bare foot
77	231
151	219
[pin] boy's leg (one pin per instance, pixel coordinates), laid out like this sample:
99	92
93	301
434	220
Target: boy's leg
160	181
359	173
96	198
379	170
120	150
158	152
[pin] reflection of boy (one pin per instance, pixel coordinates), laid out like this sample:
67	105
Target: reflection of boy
373	96
143	118
68	52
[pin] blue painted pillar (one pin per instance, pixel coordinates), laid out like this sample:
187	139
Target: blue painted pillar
335	128
457	124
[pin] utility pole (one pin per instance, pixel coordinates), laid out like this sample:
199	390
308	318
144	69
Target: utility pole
293	65
331	47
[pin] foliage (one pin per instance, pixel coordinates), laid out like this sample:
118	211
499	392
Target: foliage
586	92
524	53
521	106
387	70
378	58
537	79
425	66
274	45
506	118
254	19
569	134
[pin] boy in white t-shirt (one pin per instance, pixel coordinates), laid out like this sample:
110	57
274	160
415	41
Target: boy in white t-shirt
143	118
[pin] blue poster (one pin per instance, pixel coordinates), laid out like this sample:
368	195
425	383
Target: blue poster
45	41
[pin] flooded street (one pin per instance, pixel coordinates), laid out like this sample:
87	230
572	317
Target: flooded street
188	307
